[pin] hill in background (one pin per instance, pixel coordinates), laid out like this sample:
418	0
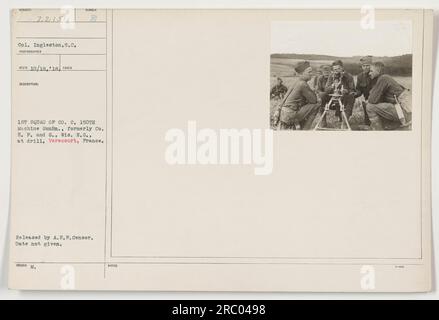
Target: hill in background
396	66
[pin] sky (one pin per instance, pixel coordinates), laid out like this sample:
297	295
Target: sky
341	38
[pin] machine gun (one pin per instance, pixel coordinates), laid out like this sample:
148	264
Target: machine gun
333	104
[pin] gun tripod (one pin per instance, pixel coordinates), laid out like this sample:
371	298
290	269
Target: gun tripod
334	101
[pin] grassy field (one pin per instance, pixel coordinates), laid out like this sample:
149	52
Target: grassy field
284	68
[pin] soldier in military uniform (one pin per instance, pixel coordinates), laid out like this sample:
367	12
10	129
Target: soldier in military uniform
389	103
313	82
322	96
342	80
364	84
299	106
322	80
279	90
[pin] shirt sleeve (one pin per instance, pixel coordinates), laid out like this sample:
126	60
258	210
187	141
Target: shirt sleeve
377	91
309	95
321	83
358	91
351	84
360	87
328	86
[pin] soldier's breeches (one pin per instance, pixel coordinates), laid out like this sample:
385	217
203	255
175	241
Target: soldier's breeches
378	112
304	116
348	101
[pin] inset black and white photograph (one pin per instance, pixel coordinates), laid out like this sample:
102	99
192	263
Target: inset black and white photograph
337	75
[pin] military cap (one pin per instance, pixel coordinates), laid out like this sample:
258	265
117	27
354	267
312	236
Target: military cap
301	66
366	60
337	63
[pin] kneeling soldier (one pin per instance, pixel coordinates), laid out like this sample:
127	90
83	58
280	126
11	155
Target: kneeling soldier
388	101
322	80
279	90
344	81
364	85
300	106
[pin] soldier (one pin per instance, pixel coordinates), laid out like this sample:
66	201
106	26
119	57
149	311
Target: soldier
320	89
299	106
322	79
364	84
388	101
279	90
342	80
313	82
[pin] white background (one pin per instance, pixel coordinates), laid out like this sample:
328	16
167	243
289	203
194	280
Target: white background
287	37
5	128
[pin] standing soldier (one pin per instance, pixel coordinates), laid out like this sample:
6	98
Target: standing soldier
364	84
279	90
299	107
388	100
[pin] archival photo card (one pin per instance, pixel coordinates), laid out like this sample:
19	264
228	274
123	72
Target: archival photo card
145	155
